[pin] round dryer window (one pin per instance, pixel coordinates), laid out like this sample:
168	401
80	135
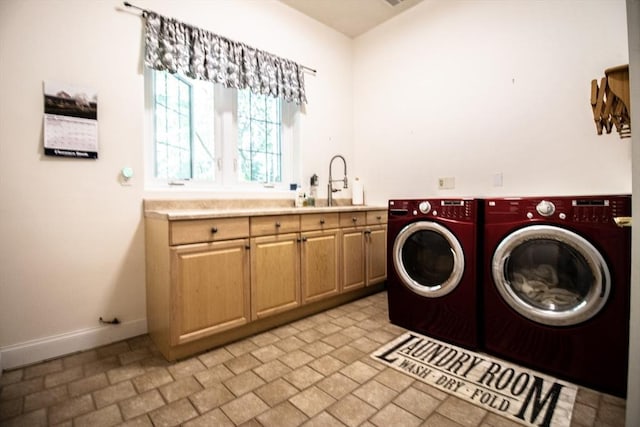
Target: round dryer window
428	259
551	275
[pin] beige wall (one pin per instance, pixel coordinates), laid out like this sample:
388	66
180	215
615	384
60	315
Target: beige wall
471	89
74	241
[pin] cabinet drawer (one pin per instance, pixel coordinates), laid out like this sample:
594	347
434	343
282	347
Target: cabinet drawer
352	219
276	224
322	221
376	217
208	230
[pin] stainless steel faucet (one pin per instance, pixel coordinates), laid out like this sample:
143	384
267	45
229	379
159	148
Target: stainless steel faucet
330	189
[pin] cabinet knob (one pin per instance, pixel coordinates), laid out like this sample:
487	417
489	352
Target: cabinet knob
322	221
278	224
354	219
379	217
214	230
304	239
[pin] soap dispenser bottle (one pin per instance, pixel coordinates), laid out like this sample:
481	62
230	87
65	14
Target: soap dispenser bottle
313	190
299	201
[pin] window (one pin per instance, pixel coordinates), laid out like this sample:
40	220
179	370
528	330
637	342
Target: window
259	148
184	130
204	135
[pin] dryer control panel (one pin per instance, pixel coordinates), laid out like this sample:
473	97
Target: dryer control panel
586	209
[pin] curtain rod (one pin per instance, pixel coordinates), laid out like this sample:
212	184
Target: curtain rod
127	4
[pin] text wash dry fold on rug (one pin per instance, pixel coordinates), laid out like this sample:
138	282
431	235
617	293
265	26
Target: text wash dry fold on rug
522	395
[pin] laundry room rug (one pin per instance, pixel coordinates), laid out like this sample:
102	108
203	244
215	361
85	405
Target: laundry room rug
519	394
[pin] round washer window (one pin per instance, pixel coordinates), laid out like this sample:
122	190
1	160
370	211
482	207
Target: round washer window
428	258
551	275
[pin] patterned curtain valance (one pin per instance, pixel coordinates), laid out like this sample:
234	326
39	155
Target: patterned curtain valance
180	48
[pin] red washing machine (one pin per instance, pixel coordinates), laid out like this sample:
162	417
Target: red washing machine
432	268
557	285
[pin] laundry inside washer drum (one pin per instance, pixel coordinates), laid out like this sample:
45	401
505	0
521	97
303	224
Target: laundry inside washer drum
560	282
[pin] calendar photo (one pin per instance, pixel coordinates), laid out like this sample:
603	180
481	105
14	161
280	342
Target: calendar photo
70	121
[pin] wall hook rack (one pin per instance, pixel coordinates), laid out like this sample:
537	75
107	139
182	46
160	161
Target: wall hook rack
610	101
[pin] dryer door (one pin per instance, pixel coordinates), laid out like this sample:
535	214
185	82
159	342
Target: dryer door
428	258
551	275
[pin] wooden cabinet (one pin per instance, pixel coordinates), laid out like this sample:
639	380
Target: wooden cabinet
275	274
275	264
376	246
320	256
289	269
210	289
353	258
376	254
198	280
363	248
274	225
207	230
214	280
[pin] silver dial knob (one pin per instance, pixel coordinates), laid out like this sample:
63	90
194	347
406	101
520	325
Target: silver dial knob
546	208
424	207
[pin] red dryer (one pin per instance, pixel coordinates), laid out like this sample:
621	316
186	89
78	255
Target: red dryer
432	268
557	286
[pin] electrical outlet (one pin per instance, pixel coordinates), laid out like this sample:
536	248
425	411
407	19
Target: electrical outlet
447	183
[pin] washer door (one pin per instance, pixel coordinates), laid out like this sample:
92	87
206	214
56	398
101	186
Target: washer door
551	275
428	259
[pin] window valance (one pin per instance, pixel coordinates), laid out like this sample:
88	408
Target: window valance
180	48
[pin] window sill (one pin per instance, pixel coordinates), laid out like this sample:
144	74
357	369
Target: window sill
186	192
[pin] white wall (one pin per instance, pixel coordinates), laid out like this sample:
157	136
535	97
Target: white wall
470	89
73	236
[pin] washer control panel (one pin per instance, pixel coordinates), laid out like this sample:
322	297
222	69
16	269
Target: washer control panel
546	208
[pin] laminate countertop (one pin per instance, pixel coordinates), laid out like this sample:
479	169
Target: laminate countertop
174	214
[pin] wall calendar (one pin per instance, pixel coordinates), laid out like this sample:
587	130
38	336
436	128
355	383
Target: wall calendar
70	121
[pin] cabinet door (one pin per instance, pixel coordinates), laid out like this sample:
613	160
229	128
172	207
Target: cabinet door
275	274
376	255
320	260
210	289
353	259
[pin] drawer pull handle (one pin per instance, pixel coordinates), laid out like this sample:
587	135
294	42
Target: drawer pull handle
322	221
354	219
379	217
278	224
214	230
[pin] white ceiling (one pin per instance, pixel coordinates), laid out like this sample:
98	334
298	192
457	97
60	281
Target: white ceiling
351	17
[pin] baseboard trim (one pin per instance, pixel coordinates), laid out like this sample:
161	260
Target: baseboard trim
29	352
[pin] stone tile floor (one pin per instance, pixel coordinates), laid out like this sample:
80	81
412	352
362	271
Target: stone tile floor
312	372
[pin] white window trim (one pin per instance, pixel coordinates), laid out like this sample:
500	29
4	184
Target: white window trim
226	142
